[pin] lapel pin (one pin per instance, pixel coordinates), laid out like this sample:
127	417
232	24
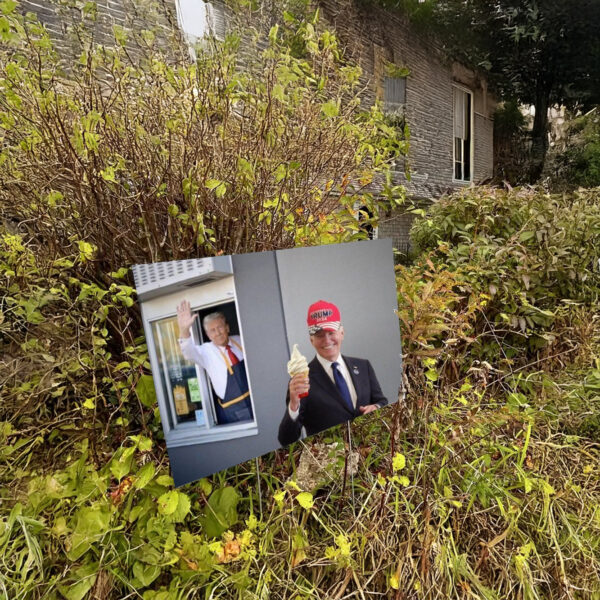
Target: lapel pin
355	370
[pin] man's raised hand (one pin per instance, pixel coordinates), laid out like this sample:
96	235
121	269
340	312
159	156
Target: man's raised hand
185	319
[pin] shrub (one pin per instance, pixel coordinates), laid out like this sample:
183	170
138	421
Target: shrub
523	251
144	157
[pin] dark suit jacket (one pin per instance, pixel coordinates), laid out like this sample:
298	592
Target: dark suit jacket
324	407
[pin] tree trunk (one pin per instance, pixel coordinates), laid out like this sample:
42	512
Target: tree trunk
539	137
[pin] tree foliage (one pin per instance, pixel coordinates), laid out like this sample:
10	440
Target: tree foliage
578	160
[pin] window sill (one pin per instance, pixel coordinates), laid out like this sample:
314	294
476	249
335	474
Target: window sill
190	434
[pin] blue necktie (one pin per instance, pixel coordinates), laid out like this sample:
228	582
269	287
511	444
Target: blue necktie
342	386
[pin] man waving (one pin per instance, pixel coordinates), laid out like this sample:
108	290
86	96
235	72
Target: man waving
223	360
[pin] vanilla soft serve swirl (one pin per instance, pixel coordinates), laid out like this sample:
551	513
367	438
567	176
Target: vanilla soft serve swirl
297	363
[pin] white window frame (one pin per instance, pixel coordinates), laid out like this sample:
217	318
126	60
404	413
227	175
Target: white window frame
468	92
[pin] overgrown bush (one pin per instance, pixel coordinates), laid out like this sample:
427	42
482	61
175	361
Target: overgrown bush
145	158
524	252
136	158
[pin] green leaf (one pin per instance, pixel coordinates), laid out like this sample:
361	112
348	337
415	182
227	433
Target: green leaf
305	500
144	476
145	574
108	174
278	92
273	34
183	508
86	251
398	462
84	579
221	512
7	6
167	503
526	235
431	374
217	186
145	391
280	173
205	486
330	109
89	403
165	480
91	524
120	465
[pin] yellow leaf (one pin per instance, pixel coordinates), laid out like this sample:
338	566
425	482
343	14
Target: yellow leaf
398	462
305	500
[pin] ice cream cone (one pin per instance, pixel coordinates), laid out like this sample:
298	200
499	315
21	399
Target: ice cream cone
298	365
304	374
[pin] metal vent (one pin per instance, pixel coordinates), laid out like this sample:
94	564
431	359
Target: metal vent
157	279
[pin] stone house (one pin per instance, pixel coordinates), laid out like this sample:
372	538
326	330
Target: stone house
447	107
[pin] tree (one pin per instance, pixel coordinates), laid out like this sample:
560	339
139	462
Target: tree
539	52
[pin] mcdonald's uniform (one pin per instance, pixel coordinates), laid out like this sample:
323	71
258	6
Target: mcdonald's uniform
230	382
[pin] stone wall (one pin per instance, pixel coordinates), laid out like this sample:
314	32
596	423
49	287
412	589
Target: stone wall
62	19
374	36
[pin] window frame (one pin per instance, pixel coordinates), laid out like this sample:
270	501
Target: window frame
391	107
206	295
471	138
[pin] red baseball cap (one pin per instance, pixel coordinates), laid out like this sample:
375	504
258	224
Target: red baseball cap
323	315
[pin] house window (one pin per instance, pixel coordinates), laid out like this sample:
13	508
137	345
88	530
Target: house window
199	19
394	94
463	134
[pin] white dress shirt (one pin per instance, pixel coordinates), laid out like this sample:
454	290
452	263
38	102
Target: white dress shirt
211	357
343	369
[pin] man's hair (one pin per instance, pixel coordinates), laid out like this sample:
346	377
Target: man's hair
213	317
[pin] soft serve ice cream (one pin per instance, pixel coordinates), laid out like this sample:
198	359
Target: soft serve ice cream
297	365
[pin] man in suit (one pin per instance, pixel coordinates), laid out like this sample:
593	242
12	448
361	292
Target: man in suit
338	388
